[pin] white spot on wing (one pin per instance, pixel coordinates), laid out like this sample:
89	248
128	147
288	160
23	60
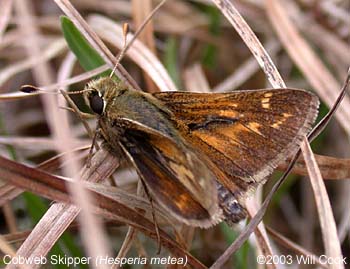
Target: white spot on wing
265	102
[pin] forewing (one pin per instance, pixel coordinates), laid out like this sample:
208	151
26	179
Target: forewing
174	175
244	133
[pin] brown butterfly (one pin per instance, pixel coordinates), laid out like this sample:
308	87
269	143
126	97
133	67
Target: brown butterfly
199	154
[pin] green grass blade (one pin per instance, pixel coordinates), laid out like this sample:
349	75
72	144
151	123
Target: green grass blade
87	56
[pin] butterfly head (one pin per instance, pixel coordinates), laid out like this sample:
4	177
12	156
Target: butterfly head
99	92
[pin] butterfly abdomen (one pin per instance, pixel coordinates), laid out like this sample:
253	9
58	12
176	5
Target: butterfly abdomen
232	209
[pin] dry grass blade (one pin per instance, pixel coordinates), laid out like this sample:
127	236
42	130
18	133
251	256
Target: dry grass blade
16	237
336	50
8	193
13	96
260	232
5	14
131	234
140	9
59	216
50	52
37	143
326	40
308	62
121	7
195	79
325	213
294	247
127	243
245	71
344	222
76	79
330	167
337	12
252	42
7	249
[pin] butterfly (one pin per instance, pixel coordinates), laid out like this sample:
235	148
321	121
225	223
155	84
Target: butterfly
200	154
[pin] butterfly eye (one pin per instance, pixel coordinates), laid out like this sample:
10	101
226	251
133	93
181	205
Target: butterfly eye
96	103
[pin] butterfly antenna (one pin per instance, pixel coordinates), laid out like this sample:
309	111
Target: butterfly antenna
33	89
122	52
126	45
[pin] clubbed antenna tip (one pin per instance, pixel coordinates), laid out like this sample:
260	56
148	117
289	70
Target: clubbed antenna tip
29	89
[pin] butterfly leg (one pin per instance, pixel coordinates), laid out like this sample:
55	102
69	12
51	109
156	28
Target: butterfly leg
82	116
153	216
93	145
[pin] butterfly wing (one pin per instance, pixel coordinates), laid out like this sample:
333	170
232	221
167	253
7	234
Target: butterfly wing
245	134
175	177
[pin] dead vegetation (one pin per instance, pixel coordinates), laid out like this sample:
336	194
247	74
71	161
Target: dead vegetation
216	45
